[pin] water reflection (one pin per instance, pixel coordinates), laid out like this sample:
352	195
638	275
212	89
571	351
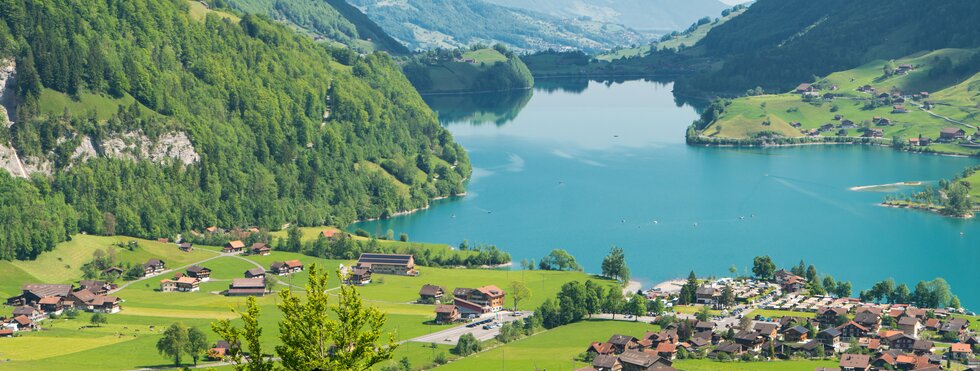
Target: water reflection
497	108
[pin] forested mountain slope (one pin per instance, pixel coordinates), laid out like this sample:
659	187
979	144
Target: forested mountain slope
332	19
427	24
252	97
652	15
778	44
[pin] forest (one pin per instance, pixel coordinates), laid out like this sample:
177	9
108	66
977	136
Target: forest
474	69
799	39
251	96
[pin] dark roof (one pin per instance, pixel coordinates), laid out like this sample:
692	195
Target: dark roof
248	283
765	327
25	311
954	324
255	271
907	320
607	361
396	259
431	290
634	357
706	290
197	269
798	329
94	284
866	318
153	262
621	339
44	289
729	347
704	324
445	308
922	345
832	332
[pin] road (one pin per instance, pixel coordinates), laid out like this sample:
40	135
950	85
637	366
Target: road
451	336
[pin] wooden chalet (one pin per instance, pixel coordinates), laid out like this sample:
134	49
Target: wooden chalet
446	314
431	293
397	264
154	266
201	273
233	247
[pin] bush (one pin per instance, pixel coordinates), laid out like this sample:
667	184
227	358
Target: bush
467	345
441	358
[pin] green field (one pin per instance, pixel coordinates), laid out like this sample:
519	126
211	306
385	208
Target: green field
487	55
795	365
55	103
199	11
549	350
134	331
750	116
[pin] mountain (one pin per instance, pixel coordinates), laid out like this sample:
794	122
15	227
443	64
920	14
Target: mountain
798	39
645	15
330	19
151	118
427	24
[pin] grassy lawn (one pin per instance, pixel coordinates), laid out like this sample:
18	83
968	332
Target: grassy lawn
55	103
199	11
549	350
486	55
709	365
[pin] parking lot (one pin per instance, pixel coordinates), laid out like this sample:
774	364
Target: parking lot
451	336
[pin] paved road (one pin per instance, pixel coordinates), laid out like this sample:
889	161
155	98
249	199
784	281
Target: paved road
451	336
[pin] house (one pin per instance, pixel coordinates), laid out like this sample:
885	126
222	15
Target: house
446	314
95	286
106	304
853	330
958	326
708	295
729	348
910	326
398	264
766	329
622	343
921	347
667	351
951	134
854	362
606	362
112	271
811	348
932	324
168	285
847	124
34	292
6	332
898	108
255	272
774	348
260	248
597	348
246	287
153	266
829	337
882	121
793	284
873	133
52	305
489	296
960	351
330	234
431	293
803	88
188	284
29	312
868	319
749	340
826	127
872	344
468	309
901	341
827	316
796	333
23	323
704	326
634	360
233	247
286	267
201	273
185	246
359	276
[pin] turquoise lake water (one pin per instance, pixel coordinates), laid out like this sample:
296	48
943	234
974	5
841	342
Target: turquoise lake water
586	165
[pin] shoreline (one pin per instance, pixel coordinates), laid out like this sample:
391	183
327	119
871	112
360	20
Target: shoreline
913	183
929	208
408	212
762	145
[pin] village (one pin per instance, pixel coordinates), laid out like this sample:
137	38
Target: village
794	325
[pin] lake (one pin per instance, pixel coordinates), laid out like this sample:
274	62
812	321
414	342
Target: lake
584	166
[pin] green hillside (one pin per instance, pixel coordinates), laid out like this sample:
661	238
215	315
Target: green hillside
944	74
468	70
677	39
334	20
797	39
250	95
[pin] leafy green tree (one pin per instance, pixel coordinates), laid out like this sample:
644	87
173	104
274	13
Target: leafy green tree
571	302
703	314
656	306
843	289
637	306
197	343
763	267
614	265
99	319
251	333
688	292
467	344
727	296
902	294
829	285
518	292
799	270
307	330
811	273
559	260
594	295
174	342
955	302
613	302
549	314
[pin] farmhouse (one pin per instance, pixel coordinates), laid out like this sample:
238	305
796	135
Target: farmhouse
153	266
622	343
201	273
899	109
32	293
431	293
854	362
446	314
168	285
708	295
490	297
255	272
606	362
803	88
873	133
95	286
910	326
330	234
286	267
398	264
185	246
246	287
260	248
233	247
796	333
951	134
634	360
359	276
